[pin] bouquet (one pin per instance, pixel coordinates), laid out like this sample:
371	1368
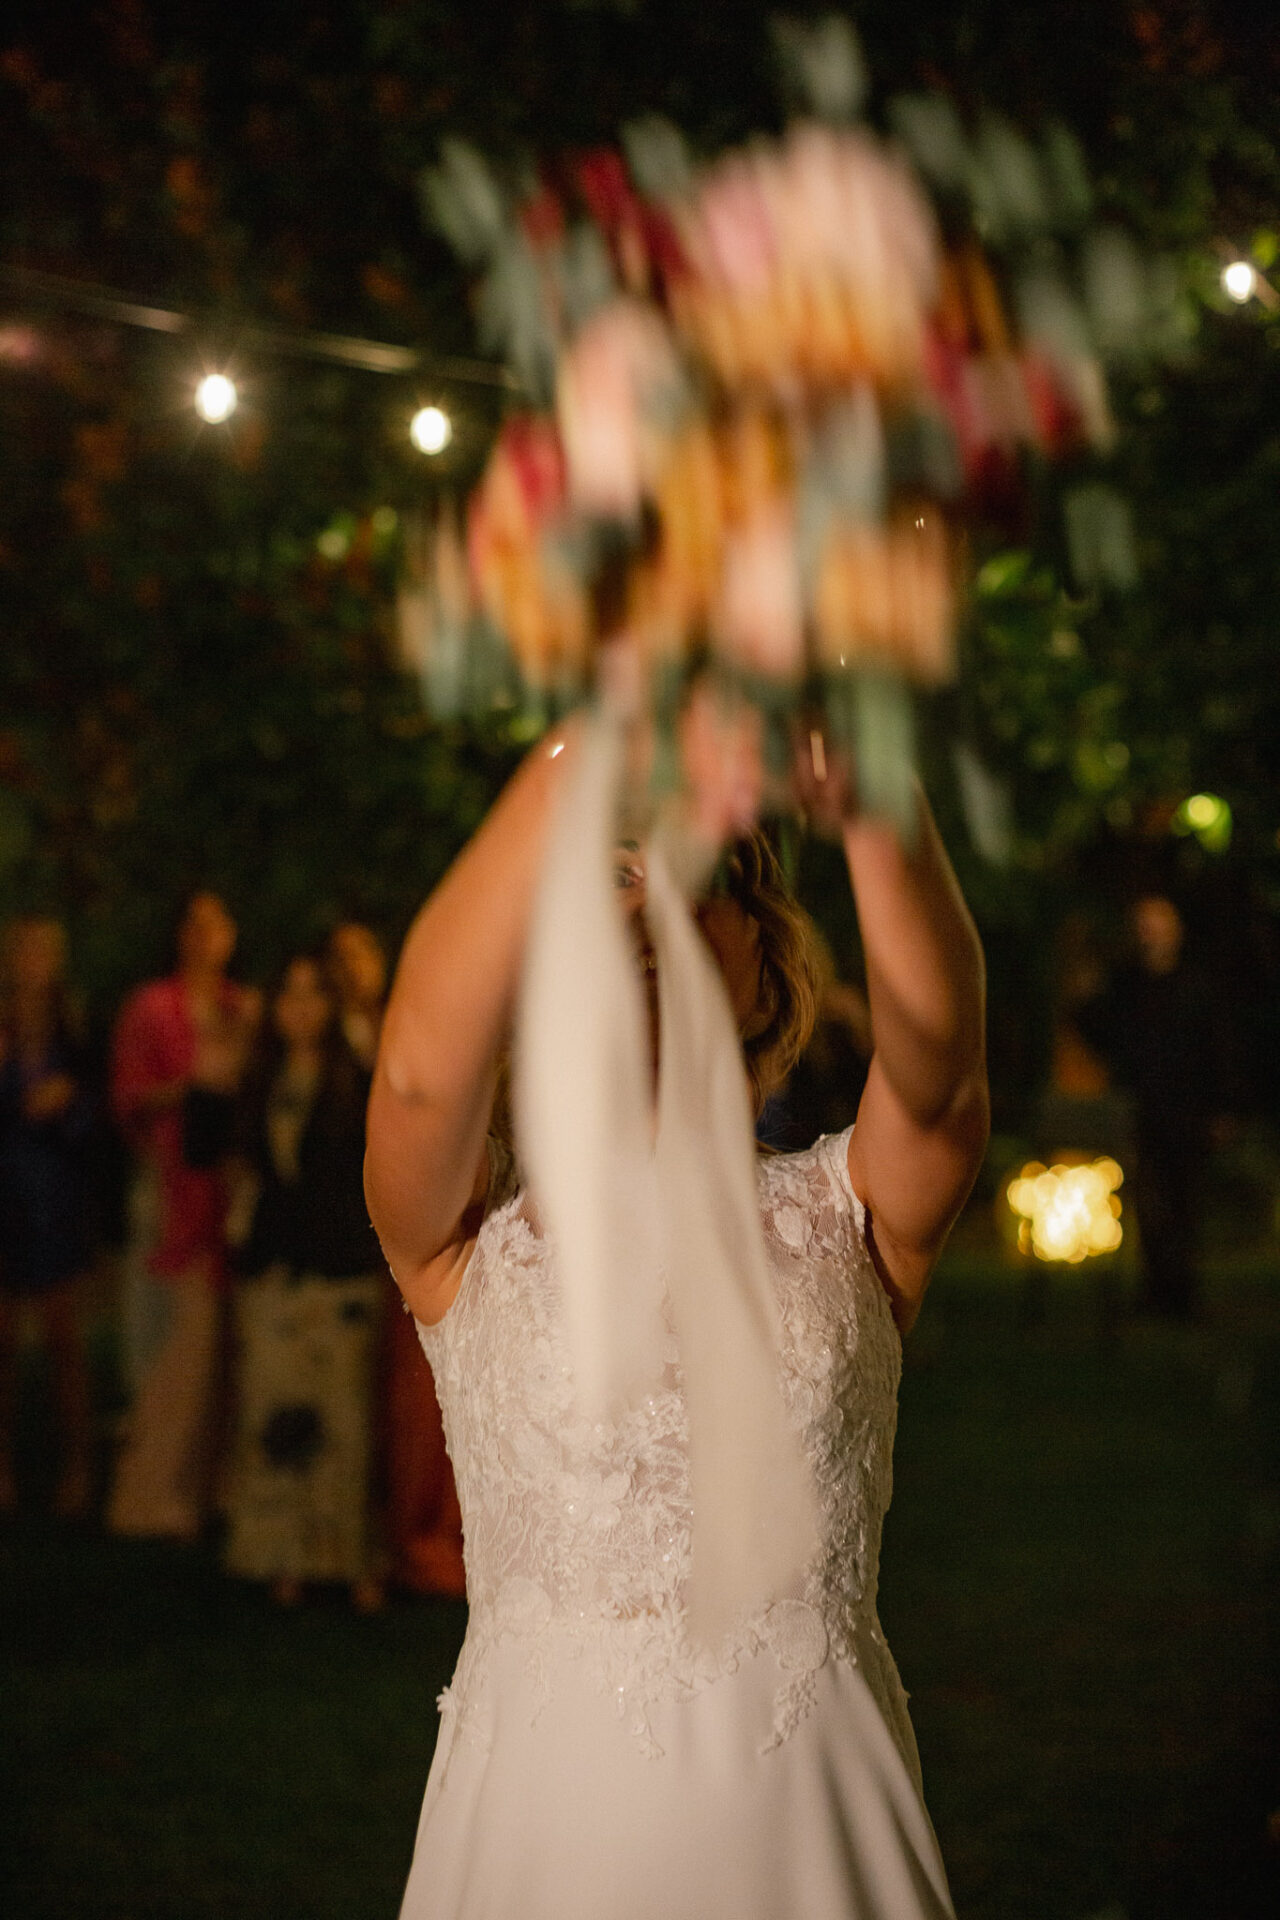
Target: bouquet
772	394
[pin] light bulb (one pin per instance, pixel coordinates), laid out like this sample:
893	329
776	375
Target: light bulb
1239	281
216	398
431	430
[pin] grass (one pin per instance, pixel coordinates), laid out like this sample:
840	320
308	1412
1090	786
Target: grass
1079	1583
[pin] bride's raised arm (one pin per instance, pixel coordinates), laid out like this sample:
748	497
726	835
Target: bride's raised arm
924	1116
447	1019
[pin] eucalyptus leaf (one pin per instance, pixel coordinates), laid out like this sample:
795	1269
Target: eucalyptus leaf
461	197
822	65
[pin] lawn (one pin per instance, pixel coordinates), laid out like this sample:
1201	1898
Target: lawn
1078	1580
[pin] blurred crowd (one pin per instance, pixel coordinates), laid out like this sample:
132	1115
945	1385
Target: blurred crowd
271	1385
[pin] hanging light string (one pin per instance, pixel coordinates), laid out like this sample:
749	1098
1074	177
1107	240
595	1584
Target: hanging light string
370	356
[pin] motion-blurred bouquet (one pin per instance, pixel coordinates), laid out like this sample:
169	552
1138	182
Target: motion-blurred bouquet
771	396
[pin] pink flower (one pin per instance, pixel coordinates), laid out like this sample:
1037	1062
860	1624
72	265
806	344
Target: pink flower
759	613
810	190
731	237
614	396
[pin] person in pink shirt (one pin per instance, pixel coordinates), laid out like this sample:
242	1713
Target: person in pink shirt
179	1052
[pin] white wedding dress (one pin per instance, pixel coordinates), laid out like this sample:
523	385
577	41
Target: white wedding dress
593	1763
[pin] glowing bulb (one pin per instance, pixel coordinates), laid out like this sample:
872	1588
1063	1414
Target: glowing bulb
216	398
431	430
1239	281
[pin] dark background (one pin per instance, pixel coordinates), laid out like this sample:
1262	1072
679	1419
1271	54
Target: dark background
191	693
1080	1564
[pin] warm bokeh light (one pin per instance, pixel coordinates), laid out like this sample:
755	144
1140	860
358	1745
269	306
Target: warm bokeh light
333	544
1068	1213
19	345
1239	281
216	398
431	430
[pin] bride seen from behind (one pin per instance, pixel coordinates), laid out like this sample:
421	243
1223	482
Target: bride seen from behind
593	1760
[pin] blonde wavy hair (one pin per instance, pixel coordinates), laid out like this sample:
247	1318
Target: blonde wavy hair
751	875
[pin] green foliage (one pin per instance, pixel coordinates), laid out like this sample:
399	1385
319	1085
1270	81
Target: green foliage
191	690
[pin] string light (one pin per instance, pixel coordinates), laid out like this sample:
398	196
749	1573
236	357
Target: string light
431	430
1239	281
216	398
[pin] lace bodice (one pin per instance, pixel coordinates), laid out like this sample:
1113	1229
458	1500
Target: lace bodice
580	1530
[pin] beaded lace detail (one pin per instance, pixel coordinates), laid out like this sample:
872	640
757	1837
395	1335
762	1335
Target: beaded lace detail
578	1532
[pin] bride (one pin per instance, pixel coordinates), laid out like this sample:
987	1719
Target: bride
596	1759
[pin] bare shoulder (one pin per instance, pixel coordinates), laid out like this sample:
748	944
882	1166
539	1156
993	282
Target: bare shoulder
431	1286
912	1181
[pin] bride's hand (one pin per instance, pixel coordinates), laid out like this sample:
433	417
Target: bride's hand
721	751
824	781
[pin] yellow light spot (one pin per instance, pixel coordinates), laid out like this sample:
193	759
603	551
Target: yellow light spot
1068	1213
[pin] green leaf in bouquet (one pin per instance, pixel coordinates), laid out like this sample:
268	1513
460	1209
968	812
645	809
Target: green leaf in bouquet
512	318
1066	176
884	748
586	275
669	684
1007	183
461	198
658	156
823	66
872	723
930	128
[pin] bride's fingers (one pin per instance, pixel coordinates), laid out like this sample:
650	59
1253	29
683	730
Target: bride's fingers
721	749
823	780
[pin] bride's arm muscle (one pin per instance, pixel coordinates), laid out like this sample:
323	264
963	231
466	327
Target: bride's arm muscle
447	1017
924	1116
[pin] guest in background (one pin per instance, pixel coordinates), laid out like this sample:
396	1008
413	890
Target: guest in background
424	1520
1157	1026
180	1049
357	968
46	1118
308	1309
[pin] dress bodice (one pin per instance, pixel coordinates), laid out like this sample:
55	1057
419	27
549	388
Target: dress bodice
580	1530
